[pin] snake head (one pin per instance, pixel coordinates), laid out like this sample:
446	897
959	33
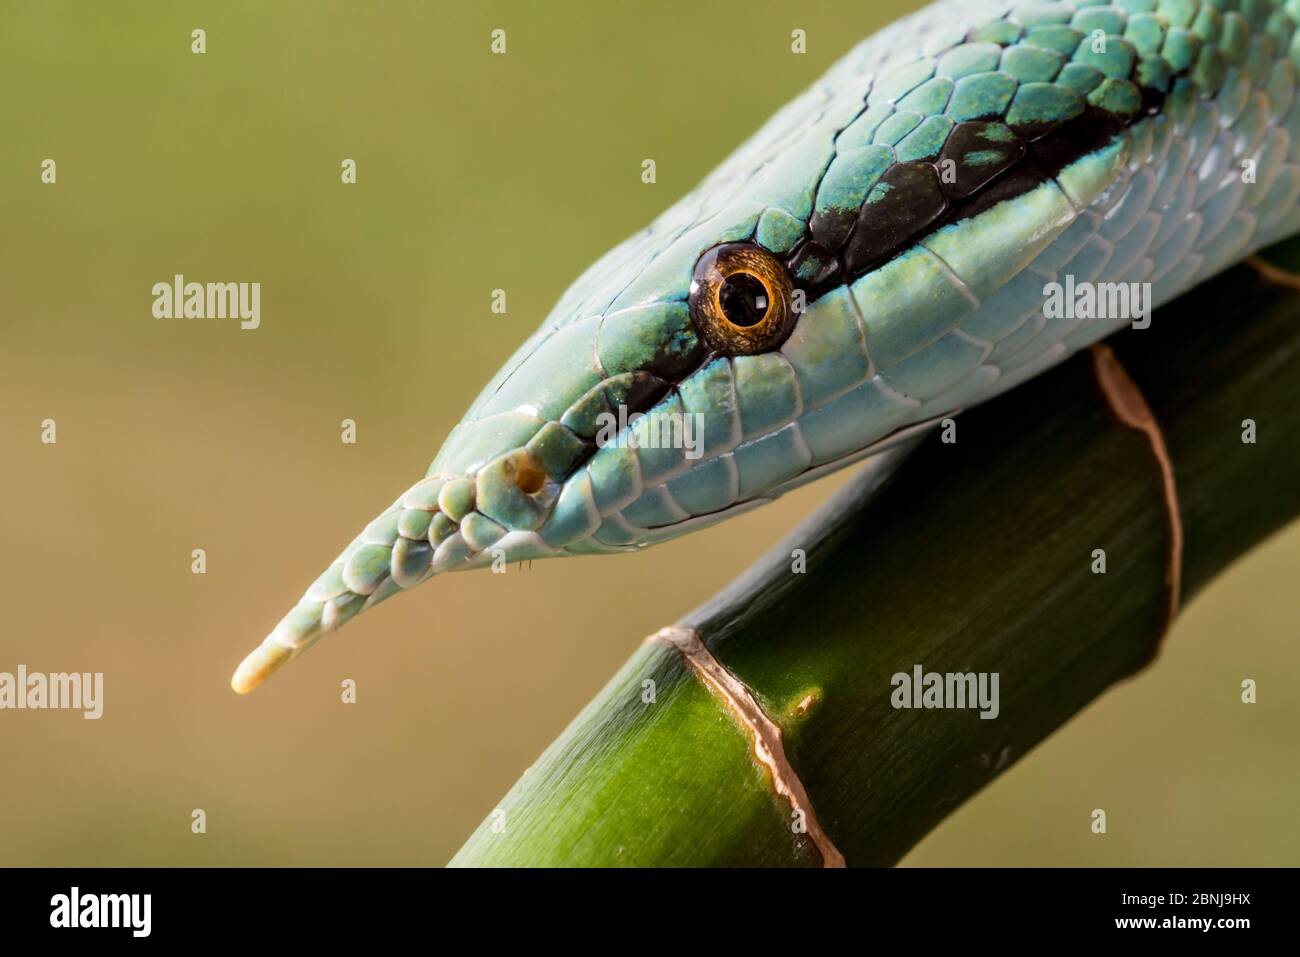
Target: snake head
567	449
827	291
628	385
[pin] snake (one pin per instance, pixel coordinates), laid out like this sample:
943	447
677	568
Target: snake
874	260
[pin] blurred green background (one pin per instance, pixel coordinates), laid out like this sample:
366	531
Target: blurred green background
475	172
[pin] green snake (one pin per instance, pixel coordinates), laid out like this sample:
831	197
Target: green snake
873	260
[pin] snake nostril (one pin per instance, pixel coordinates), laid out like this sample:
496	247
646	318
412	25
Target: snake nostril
529	479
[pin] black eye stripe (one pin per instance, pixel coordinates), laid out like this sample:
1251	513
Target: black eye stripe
982	163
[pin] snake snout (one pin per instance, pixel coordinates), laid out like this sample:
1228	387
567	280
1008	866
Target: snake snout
442	523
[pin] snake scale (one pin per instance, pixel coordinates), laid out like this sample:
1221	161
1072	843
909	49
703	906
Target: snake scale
872	260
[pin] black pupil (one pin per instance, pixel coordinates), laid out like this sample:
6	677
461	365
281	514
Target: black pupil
743	298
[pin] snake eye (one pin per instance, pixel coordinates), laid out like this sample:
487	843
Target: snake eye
741	299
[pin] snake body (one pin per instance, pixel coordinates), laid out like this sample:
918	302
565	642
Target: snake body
919	200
